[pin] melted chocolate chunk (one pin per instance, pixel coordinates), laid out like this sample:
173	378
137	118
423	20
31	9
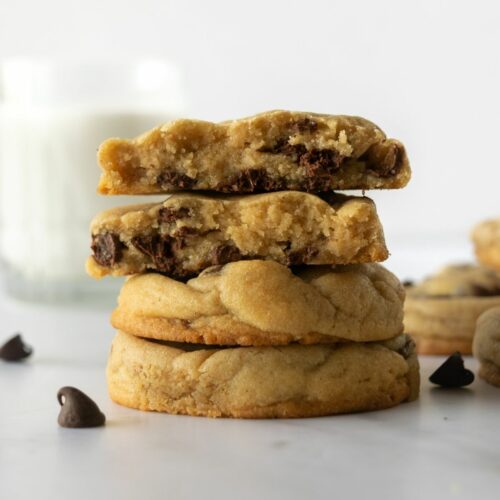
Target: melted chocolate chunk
452	373
301	256
305	125
224	254
485	291
384	161
159	248
107	249
408	348
167	214
78	410
168	179
251	181
15	349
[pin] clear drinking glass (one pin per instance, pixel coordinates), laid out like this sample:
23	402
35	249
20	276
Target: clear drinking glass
53	116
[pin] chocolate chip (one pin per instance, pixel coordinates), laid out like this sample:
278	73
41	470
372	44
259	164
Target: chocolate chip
168	180
408	283
301	256
15	349
77	409
452	373
159	248
168	214
224	254
107	249
384	160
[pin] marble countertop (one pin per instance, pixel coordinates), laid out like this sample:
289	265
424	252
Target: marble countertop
444	446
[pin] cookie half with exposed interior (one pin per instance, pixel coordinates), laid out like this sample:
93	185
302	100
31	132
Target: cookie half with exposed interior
262	303
486	345
190	232
272	151
261	382
441	311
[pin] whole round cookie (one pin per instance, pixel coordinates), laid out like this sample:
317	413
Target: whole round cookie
486	239
260	302
486	345
261	382
441	312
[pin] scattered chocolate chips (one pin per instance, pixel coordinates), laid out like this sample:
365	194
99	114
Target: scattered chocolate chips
15	349
107	249
77	409
169	179
168	214
452	373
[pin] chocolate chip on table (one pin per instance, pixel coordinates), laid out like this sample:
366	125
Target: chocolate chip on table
15	349
408	283
77	409
452	373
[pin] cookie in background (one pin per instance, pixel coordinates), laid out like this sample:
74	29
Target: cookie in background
442	310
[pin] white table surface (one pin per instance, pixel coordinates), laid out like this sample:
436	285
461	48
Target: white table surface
446	445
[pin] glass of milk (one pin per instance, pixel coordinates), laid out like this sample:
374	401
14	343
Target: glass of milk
53	116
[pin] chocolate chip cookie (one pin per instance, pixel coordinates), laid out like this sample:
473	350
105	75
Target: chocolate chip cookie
190	232
272	151
486	239
261	382
259	303
441	312
486	345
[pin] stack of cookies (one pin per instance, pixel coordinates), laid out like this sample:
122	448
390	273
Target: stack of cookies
254	289
442	310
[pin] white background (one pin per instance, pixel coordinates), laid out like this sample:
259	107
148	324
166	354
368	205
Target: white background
427	72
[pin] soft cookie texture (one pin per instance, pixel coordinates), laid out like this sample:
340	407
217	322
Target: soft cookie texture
190	232
486	239
441	312
272	151
261	382
486	346
264	303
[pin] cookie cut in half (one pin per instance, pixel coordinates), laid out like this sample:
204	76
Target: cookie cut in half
190	232
486	345
441	312
259	303
486	239
261	382
272	151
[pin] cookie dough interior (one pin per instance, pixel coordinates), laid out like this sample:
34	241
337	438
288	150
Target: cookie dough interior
189	232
